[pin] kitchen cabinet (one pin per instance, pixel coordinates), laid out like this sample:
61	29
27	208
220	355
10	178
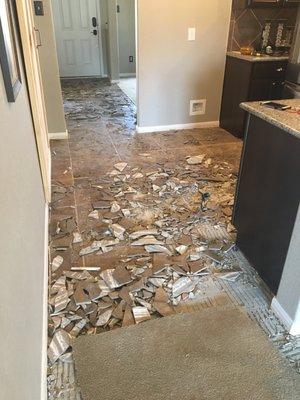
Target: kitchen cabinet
267	198
265	3
248	80
272	3
291	2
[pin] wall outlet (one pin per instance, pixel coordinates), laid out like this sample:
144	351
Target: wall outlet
130	58
197	107
191	34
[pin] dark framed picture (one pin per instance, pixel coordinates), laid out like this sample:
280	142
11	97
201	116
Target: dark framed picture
8	50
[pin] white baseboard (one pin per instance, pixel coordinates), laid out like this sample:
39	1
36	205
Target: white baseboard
292	327
128	75
58	135
163	128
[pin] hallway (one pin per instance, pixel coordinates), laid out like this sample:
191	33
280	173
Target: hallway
173	193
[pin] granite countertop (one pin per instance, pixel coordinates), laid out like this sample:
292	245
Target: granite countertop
289	122
237	54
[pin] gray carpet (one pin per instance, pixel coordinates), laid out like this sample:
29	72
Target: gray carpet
217	354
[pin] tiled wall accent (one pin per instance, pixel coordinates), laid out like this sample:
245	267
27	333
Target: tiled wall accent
246	24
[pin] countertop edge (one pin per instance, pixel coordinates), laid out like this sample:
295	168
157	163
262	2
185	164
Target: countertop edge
254	59
274	121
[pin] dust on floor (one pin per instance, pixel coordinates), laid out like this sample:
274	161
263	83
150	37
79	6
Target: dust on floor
134	216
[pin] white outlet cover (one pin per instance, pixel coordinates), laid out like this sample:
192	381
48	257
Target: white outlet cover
191	34
198	107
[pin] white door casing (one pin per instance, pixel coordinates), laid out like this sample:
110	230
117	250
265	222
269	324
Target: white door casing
79	50
35	88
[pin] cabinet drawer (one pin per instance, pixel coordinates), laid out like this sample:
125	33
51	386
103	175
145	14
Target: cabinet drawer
270	69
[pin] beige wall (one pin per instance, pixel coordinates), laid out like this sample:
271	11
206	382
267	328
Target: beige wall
50	72
22	256
126	33
112	41
171	70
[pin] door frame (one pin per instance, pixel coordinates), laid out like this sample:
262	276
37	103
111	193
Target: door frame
137	63
28	37
100	38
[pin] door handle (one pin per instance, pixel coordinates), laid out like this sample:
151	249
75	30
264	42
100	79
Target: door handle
94	32
94	22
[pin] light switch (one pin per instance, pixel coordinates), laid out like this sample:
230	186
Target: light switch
191	34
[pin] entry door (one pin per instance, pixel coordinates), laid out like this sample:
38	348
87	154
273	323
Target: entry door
77	37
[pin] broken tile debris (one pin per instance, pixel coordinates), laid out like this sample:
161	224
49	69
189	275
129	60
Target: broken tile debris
144	253
186	205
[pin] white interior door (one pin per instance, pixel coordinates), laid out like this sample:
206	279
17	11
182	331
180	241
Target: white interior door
77	40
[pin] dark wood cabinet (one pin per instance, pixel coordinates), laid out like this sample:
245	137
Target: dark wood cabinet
248	81
265	3
267	198
272	3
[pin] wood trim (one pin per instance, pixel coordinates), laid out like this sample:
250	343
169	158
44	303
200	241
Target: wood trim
59	135
35	89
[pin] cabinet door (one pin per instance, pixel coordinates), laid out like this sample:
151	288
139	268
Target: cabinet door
291	3
267	198
265	3
235	91
266	89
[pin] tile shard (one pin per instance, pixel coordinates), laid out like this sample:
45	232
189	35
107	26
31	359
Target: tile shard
196	159
128	318
120	166
118	312
157	249
80	295
104	317
140	314
94	214
56	263
95	246
139	234
115	207
183	285
147	240
160	303
213	256
122	276
58	346
101	205
77	238
61	300
109	279
118	231
182	249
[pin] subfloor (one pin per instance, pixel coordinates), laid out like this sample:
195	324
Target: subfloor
140	228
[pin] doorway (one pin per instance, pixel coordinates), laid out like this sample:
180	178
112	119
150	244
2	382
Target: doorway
77	32
126	19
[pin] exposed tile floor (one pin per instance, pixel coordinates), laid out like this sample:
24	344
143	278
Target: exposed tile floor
101	127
